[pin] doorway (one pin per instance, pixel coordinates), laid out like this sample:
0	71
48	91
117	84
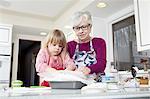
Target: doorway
28	50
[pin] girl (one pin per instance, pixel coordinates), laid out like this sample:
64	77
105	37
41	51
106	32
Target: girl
53	54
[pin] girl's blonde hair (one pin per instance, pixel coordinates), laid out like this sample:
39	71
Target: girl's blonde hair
56	37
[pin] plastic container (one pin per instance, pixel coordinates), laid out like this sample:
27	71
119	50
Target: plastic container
17	83
66	84
108	79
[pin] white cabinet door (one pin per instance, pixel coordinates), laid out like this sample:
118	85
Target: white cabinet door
142	20
5	35
5	68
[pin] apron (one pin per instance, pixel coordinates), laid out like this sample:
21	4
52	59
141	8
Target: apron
54	63
83	58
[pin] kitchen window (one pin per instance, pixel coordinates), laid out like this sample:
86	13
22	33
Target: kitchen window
125	46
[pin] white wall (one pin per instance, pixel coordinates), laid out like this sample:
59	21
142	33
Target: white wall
99	27
65	18
8	17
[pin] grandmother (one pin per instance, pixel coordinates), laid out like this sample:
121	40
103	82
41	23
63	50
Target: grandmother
88	53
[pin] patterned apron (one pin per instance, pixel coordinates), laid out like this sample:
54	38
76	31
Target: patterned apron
83	58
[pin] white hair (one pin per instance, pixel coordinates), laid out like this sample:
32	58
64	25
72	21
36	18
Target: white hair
78	16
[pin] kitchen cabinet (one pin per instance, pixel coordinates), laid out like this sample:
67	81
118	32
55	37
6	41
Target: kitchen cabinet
5	35
142	20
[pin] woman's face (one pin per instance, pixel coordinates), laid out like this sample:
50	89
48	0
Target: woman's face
83	30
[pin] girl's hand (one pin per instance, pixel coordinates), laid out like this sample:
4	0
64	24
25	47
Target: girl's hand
85	70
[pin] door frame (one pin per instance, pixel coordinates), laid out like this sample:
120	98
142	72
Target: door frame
16	49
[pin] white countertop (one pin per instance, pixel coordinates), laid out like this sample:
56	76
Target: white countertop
75	94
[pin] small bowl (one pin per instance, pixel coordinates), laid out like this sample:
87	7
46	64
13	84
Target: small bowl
17	83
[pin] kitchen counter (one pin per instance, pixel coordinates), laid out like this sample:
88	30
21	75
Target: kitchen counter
76	94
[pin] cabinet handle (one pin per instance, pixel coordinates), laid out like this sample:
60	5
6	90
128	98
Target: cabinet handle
0	64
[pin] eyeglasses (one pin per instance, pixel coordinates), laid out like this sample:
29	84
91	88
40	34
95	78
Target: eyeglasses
83	27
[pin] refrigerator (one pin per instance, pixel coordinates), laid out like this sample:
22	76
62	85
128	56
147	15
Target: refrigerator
5	54
5	64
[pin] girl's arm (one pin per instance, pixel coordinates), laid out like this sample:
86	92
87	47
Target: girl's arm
41	61
69	64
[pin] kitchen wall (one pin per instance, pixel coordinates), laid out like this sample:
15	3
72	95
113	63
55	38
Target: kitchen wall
20	19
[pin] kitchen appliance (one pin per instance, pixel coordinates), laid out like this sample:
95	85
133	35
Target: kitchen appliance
5	64
5	54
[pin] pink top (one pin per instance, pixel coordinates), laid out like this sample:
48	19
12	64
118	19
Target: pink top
44	60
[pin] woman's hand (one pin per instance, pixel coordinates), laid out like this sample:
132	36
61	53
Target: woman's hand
71	68
85	70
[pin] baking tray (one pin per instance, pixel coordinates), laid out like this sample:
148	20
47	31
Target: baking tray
66	84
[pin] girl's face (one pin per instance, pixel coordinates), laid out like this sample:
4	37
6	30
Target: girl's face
83	30
54	49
